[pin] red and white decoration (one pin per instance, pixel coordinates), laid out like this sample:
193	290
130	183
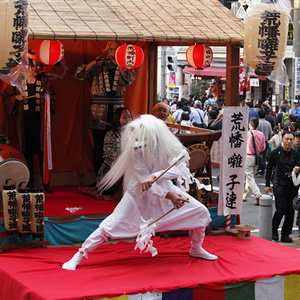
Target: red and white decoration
199	56
49	52
129	56
243	80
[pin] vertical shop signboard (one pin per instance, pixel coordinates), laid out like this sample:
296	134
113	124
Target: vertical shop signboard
297	76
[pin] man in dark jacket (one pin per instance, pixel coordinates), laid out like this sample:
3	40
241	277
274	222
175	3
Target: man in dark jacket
282	161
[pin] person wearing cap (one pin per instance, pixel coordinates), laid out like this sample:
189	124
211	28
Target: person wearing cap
296	111
109	82
286	104
161	111
281	117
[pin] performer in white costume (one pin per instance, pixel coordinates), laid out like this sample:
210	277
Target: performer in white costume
147	149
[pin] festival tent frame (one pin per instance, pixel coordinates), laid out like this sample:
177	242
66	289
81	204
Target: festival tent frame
84	26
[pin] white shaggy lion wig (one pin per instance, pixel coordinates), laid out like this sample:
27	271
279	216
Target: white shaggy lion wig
148	137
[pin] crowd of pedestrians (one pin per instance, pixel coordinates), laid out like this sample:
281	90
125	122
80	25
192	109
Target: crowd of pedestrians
275	136
280	134
204	112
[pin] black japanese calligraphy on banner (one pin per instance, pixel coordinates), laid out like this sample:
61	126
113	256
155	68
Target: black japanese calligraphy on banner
14	32
37	211
24	208
234	145
9	197
266	30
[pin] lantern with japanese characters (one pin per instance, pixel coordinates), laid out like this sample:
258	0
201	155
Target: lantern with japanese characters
129	56
266	30
199	56
13	33
49	52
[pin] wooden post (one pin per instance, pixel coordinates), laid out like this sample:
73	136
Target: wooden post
232	74
152	86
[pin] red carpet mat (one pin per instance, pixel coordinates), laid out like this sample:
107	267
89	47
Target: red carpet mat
114	269
69	197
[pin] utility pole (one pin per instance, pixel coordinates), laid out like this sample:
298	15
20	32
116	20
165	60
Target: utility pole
163	72
296	51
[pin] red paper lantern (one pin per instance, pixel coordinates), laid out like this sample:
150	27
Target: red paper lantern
129	56
49	52
199	56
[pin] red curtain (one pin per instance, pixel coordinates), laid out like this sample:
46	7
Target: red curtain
72	143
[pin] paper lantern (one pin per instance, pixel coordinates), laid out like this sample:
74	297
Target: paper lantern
266	30
199	56
49	52
129	56
13	33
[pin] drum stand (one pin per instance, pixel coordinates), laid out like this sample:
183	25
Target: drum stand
19	245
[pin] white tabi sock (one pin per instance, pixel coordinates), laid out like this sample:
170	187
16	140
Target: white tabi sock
73	262
201	253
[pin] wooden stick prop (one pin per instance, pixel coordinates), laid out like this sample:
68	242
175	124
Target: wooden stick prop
30	97
171	166
161	216
105	123
164	214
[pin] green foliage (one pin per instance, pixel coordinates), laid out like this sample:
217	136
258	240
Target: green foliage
196	86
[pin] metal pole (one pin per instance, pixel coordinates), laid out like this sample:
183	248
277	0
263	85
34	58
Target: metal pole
163	73
296	45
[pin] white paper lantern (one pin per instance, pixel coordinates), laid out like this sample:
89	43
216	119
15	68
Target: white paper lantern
13	33
266	29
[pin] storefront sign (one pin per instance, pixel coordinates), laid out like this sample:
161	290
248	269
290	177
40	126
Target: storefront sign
297	76
254	82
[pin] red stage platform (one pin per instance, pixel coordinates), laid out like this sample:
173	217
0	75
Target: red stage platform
116	269
70	196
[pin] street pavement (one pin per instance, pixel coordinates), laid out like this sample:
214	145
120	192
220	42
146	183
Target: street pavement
250	211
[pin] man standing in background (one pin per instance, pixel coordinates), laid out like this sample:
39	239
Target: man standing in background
281	163
109	82
251	166
26	117
265	127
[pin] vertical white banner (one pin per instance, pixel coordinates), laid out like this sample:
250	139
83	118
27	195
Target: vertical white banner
232	170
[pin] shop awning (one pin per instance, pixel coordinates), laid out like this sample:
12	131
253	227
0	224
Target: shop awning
207	72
